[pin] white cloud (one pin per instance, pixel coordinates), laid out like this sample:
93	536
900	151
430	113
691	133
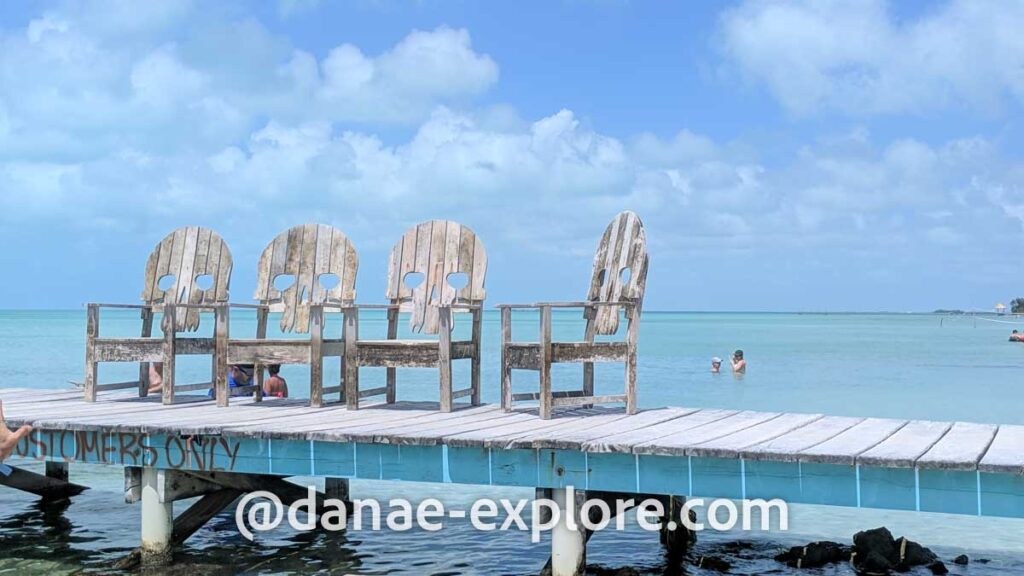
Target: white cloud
858	58
401	84
173	127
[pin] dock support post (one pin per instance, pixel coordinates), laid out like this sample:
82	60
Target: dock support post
568	537
675	536
57	470
336	488
157	520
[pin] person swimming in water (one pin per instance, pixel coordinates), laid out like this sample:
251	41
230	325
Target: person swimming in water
716	365
739	365
1016	336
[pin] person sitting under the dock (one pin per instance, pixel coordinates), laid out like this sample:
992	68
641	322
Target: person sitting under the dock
716	365
739	365
238	375
9	440
156	377
1016	337
275	385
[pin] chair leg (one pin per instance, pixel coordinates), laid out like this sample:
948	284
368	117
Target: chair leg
351	336
506	367
316	382
631	340
220	356
545	363
444	358
169	325
147	332
474	399
316	357
261	333
392	374
92	329
168	372
588	381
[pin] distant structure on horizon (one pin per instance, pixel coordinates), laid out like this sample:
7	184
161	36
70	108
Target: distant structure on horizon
1000	308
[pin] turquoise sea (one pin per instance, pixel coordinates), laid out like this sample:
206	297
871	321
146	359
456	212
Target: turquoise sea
927	366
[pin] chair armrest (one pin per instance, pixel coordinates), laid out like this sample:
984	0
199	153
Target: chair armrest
454	305
538	305
214	306
246	306
128	306
354	306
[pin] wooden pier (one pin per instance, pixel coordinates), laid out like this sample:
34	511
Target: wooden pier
961	468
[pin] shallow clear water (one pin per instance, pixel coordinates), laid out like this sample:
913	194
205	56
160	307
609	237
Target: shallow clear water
889	365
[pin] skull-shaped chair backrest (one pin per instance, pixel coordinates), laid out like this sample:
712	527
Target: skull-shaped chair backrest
195	265
293	268
424	267
620	270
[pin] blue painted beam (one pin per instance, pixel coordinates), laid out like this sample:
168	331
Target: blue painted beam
954	492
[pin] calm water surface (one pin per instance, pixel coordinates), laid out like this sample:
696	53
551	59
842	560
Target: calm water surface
887	365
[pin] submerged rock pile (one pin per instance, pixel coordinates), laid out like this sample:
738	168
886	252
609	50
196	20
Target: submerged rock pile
874	553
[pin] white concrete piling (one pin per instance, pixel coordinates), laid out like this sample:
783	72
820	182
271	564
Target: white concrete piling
157	520
568	536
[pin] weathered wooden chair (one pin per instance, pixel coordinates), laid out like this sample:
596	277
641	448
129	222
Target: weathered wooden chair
195	265
617	283
293	279
436	250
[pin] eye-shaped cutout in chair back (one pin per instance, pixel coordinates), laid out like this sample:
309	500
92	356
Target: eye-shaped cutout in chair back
620	269
297	267
191	265
425	266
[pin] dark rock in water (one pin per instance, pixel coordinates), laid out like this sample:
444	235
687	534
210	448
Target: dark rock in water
877	552
713	563
913	554
814	555
961	560
871	563
938	567
878	541
602	571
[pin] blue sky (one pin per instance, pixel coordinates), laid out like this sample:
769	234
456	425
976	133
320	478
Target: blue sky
783	155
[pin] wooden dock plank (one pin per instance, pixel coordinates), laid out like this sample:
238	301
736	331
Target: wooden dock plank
681	444
847	445
1006	453
625	441
574	437
787	447
500	436
388	431
732	445
961	448
717	433
906	445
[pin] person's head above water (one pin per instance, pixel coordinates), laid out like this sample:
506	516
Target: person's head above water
716	360
738	354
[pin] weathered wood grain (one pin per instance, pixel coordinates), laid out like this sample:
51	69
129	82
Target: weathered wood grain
788	446
617	283
960	449
906	445
1006	453
844	447
683	443
733	445
306	253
